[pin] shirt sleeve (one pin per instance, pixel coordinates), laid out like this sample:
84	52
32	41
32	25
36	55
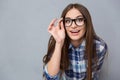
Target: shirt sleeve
48	76
101	55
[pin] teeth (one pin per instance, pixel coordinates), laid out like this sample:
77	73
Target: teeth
75	31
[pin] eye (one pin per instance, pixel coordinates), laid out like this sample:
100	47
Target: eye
79	19
67	21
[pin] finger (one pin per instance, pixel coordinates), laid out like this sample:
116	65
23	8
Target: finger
62	26
59	23
51	24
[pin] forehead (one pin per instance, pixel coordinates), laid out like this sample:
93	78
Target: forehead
73	13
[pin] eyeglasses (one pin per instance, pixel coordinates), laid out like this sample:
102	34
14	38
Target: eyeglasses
78	21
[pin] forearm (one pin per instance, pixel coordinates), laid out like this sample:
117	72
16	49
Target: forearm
53	65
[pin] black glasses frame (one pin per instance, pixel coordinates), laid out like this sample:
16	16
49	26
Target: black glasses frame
73	20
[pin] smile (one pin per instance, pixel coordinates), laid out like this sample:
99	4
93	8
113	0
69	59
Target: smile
75	31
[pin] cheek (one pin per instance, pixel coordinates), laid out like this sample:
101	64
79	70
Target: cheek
67	30
83	32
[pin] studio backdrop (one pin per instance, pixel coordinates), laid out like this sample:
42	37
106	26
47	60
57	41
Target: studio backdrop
24	36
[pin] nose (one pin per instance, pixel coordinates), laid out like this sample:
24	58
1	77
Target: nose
73	25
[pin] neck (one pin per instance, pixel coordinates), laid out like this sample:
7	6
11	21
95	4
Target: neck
76	43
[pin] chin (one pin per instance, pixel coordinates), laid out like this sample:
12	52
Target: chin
75	38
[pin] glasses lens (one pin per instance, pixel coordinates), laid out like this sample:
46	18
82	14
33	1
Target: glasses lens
79	21
68	22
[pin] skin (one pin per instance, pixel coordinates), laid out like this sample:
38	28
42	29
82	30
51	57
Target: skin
75	37
58	32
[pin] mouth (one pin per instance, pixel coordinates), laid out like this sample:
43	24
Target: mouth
74	32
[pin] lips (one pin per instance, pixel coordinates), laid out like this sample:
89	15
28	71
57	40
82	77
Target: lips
74	32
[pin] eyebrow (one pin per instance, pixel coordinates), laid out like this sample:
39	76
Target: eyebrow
75	17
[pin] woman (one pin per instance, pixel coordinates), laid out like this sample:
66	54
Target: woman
75	52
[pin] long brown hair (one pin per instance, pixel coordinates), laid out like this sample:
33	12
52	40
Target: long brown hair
90	47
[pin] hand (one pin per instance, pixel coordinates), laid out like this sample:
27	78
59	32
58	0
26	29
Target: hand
57	31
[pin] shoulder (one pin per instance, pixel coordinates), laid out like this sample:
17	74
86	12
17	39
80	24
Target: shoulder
101	46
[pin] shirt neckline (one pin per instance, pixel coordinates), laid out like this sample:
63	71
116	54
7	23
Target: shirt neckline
81	45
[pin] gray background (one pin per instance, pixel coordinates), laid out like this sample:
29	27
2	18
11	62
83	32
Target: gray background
24	36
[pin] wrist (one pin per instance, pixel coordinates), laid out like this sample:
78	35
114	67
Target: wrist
59	44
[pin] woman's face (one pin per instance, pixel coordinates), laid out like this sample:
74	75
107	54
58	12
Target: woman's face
76	27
